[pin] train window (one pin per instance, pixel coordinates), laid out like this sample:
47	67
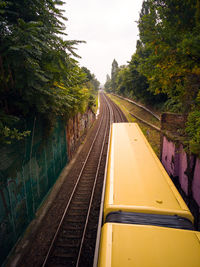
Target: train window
172	221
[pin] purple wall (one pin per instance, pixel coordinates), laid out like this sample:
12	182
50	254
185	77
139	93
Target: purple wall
170	157
196	182
183	180
174	159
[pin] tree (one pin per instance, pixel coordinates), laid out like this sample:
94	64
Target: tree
91	80
168	33
107	84
38	75
170	37
87	73
122	80
114	72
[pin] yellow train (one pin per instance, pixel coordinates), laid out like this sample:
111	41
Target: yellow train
146	223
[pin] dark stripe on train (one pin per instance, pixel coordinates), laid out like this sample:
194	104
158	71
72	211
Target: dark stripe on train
171	221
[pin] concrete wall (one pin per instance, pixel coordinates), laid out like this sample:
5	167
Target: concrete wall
29	168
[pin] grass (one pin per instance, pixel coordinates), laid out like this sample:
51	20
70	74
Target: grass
152	135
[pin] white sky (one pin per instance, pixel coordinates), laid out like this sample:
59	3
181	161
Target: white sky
108	27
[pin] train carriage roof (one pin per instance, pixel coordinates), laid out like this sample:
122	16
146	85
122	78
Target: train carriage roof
148	246
136	180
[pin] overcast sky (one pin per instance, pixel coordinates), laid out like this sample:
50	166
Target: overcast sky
108	27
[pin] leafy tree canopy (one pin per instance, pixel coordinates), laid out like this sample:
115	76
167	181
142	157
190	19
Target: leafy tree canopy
169	33
166	65
170	37
38	70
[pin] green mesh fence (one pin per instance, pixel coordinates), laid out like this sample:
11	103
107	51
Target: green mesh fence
28	169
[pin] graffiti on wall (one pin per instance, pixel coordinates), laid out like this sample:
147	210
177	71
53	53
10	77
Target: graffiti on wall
184	169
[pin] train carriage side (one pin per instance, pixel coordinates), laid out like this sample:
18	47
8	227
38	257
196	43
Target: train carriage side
137	183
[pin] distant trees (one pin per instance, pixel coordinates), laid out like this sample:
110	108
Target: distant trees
170	36
91	85
107	85
38	75
130	82
91	80
166	65
169	33
114	72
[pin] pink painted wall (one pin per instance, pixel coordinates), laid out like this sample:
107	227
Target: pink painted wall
175	162
170	157
196	182
182	168
174	159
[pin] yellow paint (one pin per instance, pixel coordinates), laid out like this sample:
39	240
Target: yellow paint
124	245
136	180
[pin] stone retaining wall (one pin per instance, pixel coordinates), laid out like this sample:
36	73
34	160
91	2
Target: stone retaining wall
75	130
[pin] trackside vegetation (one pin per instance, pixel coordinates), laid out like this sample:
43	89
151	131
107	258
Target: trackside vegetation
165	69
39	71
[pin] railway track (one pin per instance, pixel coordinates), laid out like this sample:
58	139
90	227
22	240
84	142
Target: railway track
73	243
118	115
140	106
145	109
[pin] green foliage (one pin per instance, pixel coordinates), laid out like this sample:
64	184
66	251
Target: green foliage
90	79
107	85
130	82
87	74
165	69
7	134
92	85
114	72
38	75
122	79
193	127
193	131
166	65
169	34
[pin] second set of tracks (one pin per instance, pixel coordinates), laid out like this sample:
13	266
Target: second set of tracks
74	241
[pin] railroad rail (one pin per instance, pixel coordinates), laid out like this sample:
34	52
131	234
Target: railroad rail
158	129
146	122
74	240
118	115
139	105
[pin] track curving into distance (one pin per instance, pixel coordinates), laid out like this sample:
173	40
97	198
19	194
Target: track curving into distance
73	243
118	115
